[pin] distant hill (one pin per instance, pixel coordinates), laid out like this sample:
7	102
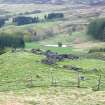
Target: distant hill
91	2
31	1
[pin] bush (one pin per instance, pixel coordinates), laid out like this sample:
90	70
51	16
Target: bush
97	29
96	50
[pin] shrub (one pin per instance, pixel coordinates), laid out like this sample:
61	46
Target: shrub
96	50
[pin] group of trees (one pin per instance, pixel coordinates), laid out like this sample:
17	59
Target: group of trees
54	16
11	41
96	29
22	20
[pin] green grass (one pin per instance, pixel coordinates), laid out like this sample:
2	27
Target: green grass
20	66
17	68
55	49
64	38
86	63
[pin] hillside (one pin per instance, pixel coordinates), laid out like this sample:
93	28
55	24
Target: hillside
22	70
24	80
42	72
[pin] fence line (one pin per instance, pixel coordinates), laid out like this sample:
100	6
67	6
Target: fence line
76	82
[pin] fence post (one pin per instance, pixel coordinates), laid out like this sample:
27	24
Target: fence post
30	82
78	79
99	83
53	82
52	78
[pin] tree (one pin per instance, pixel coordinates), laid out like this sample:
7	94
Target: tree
45	17
97	29
55	15
11	41
22	20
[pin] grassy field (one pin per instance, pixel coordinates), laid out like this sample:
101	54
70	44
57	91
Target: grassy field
66	39
23	67
25	80
17	68
56	49
53	96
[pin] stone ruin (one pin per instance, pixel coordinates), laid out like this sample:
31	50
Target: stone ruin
74	68
49	61
37	51
53	57
69	56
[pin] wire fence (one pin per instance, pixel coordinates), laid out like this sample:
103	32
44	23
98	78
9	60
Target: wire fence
79	80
